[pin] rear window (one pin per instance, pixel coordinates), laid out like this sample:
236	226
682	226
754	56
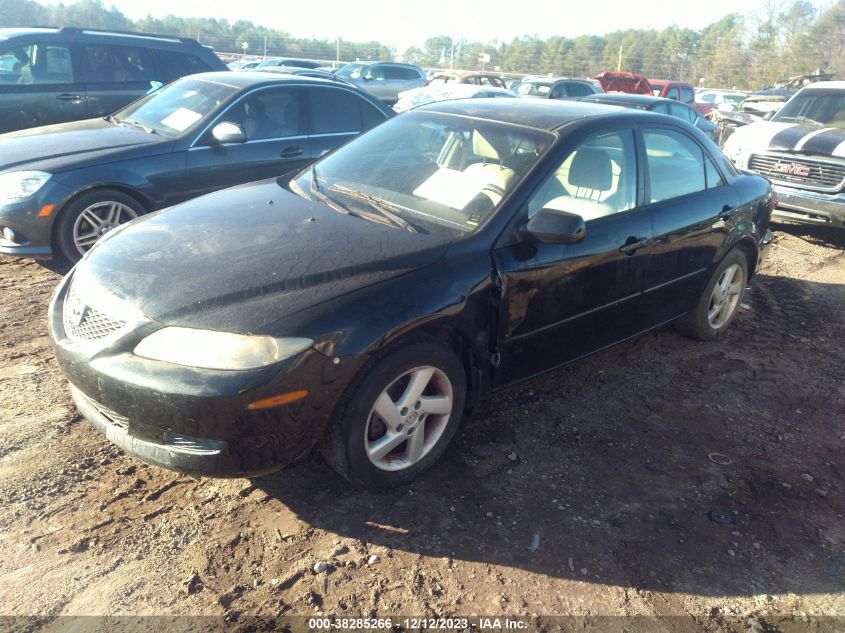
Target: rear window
173	64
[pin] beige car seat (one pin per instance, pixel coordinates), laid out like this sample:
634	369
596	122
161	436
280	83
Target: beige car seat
496	177
591	177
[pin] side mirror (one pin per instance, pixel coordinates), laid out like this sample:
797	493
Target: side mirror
550	226
768	115
368	77
227	132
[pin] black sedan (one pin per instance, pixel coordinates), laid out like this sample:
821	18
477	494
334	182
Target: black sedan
64	186
659	105
362	304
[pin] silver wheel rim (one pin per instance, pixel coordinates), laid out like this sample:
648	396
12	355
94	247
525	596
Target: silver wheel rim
725	296
98	219
408	418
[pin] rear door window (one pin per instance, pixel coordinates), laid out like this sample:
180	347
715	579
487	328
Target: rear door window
676	164
397	72
682	112
117	64
171	65
576	89
334	111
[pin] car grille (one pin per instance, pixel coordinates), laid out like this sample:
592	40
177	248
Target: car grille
800	171
86	323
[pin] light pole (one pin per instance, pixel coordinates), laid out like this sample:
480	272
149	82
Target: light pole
245	45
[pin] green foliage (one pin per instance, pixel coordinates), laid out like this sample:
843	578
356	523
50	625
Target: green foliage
787	39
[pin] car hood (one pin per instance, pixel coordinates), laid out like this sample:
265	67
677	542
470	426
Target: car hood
53	148
791	137
244	258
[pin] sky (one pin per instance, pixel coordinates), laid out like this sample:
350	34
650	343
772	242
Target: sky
401	23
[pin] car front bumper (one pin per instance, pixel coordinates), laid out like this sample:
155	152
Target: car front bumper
31	220
197	421
809	207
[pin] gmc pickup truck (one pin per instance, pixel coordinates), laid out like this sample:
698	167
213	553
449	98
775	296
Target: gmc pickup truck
802	151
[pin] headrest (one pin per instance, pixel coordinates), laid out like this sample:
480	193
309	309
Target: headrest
486	146
591	169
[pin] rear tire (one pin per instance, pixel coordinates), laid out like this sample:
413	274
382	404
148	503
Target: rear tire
90	216
720	301
398	417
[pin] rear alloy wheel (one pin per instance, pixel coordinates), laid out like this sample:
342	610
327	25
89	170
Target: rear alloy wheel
90	217
720	300
399	416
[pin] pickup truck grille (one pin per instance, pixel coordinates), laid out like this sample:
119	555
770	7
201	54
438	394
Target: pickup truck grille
799	171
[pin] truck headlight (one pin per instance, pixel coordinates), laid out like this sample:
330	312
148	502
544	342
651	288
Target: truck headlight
208	349
20	184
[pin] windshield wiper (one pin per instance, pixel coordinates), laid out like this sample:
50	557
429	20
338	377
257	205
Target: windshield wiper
803	119
146	128
319	195
384	208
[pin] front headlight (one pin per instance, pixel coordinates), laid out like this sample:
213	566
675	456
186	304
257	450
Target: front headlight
207	349
20	184
735	152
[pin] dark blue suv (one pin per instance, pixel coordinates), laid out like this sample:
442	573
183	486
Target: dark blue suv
50	75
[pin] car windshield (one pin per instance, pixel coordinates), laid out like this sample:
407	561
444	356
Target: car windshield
535	89
733	99
176	108
353	71
819	107
436	172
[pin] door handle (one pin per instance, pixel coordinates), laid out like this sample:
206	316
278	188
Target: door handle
727	213
632	244
290	152
65	96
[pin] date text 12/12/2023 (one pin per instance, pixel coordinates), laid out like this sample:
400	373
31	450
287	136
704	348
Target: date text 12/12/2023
417	623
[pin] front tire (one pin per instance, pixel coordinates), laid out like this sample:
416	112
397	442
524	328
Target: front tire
90	216
398	417
720	301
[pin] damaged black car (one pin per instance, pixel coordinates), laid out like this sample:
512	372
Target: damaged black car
361	305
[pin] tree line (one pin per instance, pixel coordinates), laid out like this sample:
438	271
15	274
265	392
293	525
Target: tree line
790	38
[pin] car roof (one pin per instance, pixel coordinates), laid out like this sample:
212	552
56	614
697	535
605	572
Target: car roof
102	35
541	114
249	78
627	98
822	85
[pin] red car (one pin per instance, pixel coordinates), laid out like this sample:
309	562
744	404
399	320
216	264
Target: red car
624	82
679	91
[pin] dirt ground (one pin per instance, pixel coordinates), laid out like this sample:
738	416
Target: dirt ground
585	492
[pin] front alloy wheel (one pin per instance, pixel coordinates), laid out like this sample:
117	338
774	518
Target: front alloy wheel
97	220
398	416
408	418
89	216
